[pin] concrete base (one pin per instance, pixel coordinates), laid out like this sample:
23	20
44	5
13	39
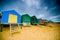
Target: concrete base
26	24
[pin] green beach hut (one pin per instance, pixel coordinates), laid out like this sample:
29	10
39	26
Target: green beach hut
33	20
26	20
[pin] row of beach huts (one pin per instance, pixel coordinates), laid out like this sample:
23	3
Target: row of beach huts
12	17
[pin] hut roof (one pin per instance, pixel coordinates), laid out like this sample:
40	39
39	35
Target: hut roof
26	15
10	12
34	17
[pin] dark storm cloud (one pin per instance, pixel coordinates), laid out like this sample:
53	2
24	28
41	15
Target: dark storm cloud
58	3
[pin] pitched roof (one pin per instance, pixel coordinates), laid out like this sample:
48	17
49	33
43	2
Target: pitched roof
10	12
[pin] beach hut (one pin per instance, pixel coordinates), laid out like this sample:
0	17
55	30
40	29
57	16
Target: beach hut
38	21
45	21
11	18
26	20
41	21
33	20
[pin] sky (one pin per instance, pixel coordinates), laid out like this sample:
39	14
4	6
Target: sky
45	9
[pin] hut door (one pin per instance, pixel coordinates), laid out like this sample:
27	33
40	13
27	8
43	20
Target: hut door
12	18
0	18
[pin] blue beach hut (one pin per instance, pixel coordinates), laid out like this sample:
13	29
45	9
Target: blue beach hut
38	21
10	16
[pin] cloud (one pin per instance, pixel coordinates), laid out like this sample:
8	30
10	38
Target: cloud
40	16
53	8
31	7
46	7
56	20
54	17
31	3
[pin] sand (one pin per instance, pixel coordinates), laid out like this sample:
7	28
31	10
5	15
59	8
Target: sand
34	32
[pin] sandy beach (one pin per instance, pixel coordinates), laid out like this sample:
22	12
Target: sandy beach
34	32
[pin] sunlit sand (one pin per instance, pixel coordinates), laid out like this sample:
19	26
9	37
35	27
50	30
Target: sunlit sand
38	32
